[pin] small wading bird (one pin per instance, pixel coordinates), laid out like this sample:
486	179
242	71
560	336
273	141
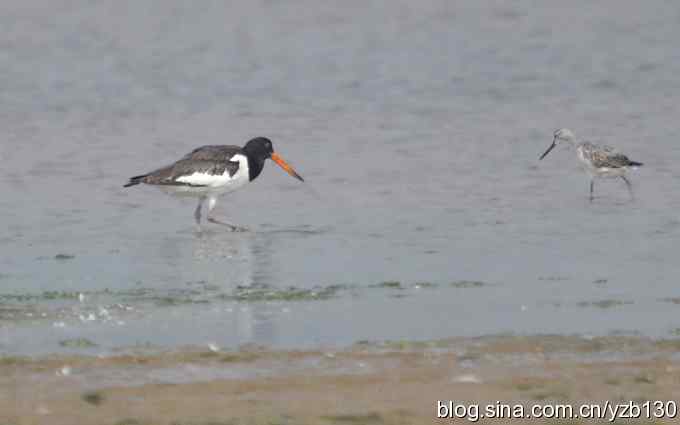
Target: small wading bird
598	160
210	171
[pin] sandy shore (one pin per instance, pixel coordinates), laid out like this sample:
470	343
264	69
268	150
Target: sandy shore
369	383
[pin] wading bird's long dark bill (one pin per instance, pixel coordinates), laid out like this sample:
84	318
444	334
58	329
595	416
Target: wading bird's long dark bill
548	151
287	168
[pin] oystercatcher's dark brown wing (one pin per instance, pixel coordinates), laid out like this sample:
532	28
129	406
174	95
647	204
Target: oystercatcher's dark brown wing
214	153
213	160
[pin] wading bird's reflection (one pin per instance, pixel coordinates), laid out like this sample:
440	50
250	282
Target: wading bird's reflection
236	265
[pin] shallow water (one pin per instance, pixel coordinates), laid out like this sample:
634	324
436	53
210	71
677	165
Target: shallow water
418	130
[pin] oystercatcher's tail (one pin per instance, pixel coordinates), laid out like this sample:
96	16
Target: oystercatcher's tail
135	180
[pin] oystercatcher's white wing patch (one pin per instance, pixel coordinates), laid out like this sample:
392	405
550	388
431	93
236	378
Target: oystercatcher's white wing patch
223	182
201	179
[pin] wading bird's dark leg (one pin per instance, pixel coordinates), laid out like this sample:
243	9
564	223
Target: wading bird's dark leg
197	213
592	187
629	186
212	201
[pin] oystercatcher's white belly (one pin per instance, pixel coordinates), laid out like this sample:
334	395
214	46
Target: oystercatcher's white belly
205	184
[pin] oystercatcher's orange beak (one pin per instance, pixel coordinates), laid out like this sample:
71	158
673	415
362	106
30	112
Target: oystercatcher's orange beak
287	168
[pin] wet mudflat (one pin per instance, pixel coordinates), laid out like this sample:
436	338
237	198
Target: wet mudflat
388	382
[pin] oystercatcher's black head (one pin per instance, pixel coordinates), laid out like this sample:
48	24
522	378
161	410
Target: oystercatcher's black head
258	150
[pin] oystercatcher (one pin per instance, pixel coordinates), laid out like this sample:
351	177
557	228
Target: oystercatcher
598	160
210	171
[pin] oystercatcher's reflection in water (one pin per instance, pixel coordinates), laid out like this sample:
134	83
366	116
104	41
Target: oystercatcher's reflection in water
251	271
235	261
241	270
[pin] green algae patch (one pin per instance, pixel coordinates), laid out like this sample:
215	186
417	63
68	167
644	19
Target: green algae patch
389	284
44	296
93	397
266	293
237	357
77	343
169	301
604	304
404	345
415	345
167	298
13	361
464	284
64	257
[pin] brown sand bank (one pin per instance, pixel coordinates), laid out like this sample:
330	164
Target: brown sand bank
390	383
